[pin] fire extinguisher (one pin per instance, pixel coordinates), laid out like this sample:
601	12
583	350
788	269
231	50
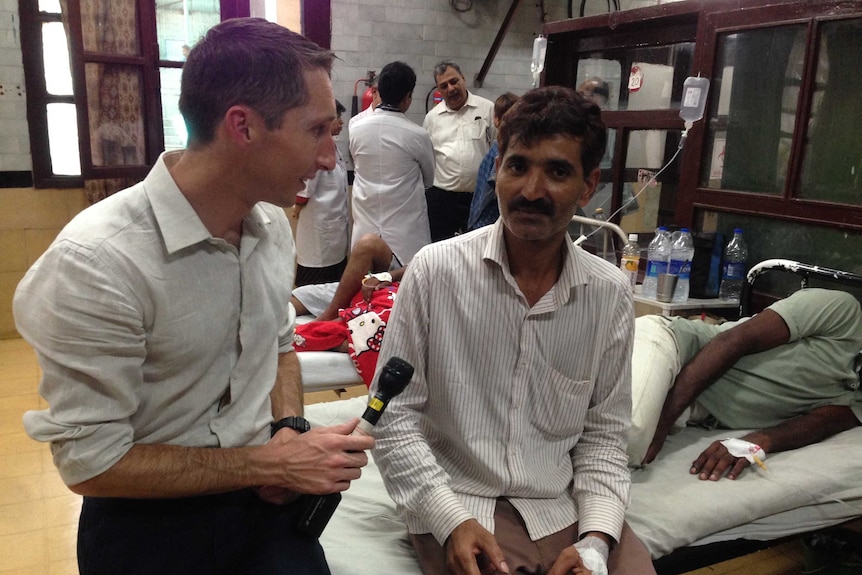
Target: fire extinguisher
433	98
367	95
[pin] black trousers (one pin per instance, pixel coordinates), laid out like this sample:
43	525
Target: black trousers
447	212
230	533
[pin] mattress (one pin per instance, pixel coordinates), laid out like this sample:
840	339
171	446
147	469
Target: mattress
326	370
805	489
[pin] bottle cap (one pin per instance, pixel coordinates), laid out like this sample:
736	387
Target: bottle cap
737	230
633	237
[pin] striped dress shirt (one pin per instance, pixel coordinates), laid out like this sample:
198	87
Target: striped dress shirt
528	403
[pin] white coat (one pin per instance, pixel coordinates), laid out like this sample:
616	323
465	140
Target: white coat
393	160
323	229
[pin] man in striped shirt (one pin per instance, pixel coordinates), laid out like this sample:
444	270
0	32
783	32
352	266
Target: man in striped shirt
506	453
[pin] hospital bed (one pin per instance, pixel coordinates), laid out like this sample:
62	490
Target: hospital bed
685	523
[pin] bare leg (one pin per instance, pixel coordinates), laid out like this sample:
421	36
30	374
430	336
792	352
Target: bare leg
298	306
369	253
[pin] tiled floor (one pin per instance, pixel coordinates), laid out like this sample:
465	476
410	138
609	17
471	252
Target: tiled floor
38	514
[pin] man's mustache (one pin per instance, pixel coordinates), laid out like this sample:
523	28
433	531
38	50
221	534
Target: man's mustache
541	206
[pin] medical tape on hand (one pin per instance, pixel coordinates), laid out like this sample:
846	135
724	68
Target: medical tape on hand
741	448
594	554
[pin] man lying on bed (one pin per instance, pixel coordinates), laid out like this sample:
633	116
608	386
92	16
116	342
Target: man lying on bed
790	373
372	265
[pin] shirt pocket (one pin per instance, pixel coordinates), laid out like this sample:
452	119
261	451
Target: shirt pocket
559	403
477	129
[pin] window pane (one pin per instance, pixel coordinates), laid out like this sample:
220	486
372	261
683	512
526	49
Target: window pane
180	23
753	102
116	120
602	79
769	238
648	206
645	78
174	126
110	27
55	52
50	6
833	153
63	139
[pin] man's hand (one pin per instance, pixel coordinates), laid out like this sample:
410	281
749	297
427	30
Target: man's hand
569	561
656	444
715	460
323	460
472	550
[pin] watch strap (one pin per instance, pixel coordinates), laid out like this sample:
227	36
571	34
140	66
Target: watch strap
294	422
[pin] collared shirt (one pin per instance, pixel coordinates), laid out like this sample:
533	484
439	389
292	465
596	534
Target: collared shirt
323	229
531	404
484	208
394	163
461	139
149	330
815	368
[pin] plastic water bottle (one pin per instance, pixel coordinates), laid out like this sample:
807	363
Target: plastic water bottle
603	240
658	255
734	268
631	259
681	254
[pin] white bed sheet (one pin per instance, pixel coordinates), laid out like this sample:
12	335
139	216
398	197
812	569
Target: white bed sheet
325	370
670	508
808	488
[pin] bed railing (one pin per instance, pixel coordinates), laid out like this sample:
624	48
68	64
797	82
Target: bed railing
596	223
805	271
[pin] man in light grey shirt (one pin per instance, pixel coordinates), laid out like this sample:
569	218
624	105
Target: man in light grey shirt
508	448
162	323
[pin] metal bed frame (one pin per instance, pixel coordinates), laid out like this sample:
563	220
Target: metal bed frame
806	271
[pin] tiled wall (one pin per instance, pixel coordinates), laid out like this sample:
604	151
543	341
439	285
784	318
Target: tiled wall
14	139
29	220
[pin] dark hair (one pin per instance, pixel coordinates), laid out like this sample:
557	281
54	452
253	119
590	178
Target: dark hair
441	67
551	111
396	80
246	61
339	108
503	103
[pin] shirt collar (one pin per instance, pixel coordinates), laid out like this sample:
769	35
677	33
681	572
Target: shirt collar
471	102
573	274
175	217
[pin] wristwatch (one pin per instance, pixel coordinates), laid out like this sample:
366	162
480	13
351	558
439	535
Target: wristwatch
300	424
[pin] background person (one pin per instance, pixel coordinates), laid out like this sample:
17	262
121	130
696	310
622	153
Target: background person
394	163
508	446
323	232
162	324
462	129
483	207
791	373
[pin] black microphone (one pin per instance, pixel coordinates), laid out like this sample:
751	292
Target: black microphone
394	377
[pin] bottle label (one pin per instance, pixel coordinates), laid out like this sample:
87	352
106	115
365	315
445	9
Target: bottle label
656	267
629	264
675	267
734	271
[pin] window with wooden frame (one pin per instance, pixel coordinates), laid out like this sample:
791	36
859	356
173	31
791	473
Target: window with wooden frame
778	152
103	82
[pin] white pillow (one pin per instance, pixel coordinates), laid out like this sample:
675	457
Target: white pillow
655	365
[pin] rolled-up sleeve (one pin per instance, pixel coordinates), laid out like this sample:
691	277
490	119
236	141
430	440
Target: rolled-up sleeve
89	337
